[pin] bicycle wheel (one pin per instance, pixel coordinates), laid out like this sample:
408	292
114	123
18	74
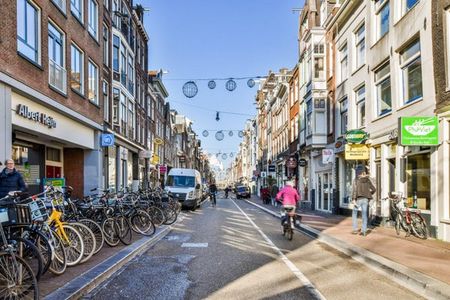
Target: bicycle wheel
97	230
171	216
142	223
30	253
157	215
123	229
89	240
74	245
58	263
290	233
17	280
398	222
111	237
419	227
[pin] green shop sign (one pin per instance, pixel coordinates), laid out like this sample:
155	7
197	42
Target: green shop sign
59	182
356	136
419	131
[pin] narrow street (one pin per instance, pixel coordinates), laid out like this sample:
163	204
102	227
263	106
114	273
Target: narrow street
236	251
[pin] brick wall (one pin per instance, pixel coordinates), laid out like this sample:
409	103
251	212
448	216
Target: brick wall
35	76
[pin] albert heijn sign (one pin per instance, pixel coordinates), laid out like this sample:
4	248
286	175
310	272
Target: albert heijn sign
23	111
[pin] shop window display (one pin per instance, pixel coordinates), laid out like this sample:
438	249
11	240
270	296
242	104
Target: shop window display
418	180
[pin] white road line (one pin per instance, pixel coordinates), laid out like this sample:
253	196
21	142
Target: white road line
305	281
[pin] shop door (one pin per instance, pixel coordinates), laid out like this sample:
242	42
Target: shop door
324	191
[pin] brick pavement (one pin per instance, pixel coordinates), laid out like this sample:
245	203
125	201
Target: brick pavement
430	257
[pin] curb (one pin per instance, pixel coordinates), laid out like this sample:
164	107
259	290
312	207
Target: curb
417	282
92	278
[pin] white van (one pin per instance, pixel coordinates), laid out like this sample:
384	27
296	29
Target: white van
185	186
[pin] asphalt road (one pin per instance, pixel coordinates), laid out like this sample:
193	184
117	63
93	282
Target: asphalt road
236	251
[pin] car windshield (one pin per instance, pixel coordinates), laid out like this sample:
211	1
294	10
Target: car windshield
241	189
181	181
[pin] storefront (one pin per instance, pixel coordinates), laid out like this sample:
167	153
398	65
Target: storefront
47	144
322	170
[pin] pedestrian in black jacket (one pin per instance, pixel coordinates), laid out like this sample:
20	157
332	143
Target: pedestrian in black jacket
10	179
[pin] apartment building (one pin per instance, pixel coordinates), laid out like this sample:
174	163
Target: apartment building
51	82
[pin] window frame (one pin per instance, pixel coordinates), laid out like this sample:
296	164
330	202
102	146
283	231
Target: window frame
37	33
343	56
378	10
360	42
343	112
93	31
405	9
94	100
105	38
63	55
360	101
378	83
74	46
106	100
77	13
404	67
62	7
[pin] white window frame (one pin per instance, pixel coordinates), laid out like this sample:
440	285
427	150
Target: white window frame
403	67
61	4
378	83
343	57
94	84
343	111
54	67
77	13
105	39
106	100
360	43
72	47
378	7
360	100
319	53
405	8
93	19
22	42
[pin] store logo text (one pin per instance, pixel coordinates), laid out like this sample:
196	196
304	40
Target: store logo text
22	110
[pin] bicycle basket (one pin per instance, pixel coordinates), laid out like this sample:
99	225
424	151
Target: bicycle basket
15	214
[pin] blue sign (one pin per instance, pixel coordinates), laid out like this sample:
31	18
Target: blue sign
107	139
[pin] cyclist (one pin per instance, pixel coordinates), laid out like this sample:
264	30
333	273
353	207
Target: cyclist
288	196
227	190
213	192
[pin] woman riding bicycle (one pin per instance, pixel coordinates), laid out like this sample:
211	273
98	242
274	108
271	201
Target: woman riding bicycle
288	196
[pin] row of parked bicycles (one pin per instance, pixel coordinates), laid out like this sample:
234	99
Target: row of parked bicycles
50	231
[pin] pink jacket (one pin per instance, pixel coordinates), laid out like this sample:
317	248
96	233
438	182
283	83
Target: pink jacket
289	195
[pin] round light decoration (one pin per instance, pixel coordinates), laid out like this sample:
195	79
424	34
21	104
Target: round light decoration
230	85
230	133
190	89
212	84
205	133
219	135
240	133
231	154
250	83
224	156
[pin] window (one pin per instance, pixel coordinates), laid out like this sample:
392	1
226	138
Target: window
106	4
57	71
309	118
411	65
28	30
383	89
116	50
131	121
360	42
116	100
93	82
93	18
344	62
61	4
382	17
344	115
319	68
418	181
123	65
105	45
130	86
408	4
361	106
76	69
123	114
105	89
76	7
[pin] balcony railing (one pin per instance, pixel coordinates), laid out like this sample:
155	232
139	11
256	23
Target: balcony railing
57	76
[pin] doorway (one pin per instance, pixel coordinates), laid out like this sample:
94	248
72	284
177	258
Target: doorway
324	191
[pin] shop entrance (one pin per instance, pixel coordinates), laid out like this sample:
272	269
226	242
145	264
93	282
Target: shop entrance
324	194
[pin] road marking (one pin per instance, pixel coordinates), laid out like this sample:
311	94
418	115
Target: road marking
194	245
305	281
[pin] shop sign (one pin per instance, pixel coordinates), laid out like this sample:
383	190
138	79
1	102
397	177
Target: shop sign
356	136
291	163
59	182
182	158
263	174
302	162
271	168
145	154
419	131
162	169
22	110
107	139
356	152
327	156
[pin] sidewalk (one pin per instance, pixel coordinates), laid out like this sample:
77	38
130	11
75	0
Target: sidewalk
427	257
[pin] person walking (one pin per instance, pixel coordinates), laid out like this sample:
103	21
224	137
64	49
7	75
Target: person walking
362	192
11	179
273	194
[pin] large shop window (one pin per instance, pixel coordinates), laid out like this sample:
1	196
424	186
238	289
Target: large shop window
348	182
28	28
418	180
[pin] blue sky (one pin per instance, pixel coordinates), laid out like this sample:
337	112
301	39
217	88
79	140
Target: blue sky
194	39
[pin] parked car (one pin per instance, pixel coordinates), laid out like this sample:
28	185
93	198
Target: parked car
242	192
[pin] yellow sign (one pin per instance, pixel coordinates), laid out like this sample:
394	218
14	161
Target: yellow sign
158	141
356	152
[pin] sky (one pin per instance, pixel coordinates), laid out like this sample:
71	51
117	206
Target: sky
205	39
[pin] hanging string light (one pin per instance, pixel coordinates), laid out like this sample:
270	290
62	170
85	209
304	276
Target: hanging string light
190	89
205	133
230	85
219	135
217	117
212	84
